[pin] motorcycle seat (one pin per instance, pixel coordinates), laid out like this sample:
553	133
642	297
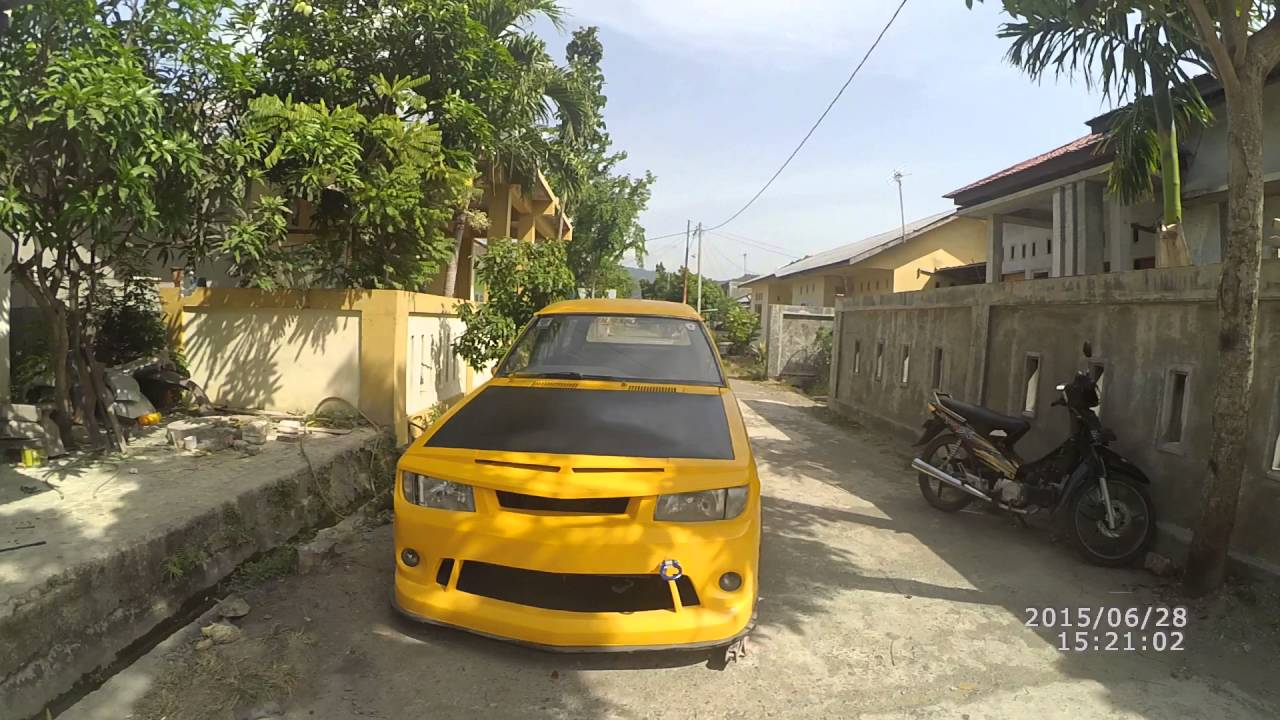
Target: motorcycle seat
985	421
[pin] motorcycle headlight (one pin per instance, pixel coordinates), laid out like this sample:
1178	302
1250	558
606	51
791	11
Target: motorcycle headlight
436	493
724	504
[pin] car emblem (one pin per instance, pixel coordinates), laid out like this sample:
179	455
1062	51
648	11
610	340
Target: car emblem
670	570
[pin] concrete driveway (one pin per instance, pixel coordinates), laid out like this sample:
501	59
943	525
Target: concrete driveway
873	605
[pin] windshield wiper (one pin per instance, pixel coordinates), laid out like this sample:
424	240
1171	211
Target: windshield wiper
565	375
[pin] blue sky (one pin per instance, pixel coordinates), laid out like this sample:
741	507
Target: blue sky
711	96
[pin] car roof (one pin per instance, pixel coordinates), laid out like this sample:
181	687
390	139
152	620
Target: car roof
604	306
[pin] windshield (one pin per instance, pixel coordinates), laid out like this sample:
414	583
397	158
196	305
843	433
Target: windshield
614	347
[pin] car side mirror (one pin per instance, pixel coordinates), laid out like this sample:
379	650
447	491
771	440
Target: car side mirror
1088	349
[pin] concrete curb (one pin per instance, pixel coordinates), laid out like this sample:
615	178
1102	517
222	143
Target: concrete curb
81	619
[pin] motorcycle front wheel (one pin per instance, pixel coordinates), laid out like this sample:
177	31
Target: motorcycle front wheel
946	453
1135	526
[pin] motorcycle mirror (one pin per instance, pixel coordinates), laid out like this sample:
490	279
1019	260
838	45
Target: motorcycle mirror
1088	349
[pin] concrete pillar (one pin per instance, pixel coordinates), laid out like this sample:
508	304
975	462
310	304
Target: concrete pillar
6	255
995	249
500	212
1119	238
1092	226
1064	232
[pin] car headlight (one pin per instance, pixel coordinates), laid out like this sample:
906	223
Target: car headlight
724	504
436	493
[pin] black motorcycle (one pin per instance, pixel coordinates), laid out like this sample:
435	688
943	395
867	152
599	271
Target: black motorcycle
1099	497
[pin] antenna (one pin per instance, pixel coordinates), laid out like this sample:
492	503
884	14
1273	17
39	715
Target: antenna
902	213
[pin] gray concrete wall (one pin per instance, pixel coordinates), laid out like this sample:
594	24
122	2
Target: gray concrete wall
791	339
1143	326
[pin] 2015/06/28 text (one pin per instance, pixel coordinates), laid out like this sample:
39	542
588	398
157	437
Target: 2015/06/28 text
1113	629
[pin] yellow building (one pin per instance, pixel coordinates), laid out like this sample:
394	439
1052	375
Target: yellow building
937	251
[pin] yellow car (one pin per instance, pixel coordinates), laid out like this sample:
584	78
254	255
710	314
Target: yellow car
598	493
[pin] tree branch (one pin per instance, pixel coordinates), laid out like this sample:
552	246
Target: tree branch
1226	70
1265	45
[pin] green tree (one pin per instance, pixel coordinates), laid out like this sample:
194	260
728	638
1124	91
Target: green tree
520	278
1127	53
106	160
605	204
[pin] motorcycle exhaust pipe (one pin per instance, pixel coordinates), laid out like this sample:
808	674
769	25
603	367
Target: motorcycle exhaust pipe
938	474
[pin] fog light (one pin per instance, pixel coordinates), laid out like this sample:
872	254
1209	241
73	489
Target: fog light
411	559
730	581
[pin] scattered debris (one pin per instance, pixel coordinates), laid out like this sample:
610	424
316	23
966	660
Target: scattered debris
233	606
221	633
26	545
29	489
211	434
269	710
325	543
256	432
1159	565
289	430
30	426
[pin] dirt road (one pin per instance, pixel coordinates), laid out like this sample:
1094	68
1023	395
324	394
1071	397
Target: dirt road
874	605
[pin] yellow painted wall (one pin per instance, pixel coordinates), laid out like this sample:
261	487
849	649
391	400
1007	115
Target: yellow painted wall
962	241
287	350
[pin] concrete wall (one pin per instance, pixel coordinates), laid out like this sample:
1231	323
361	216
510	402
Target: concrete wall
1207	171
1144	326
1027	250
793	330
388	352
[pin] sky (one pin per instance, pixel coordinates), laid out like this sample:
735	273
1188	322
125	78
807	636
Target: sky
712	95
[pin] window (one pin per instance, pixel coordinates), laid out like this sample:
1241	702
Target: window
937	368
906	364
614	347
879	360
857	357
1097	371
1033	249
1032	388
1175	406
1012	251
1049	246
1024	251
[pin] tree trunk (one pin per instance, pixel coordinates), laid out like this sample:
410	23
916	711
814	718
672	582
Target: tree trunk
1171	247
451	272
1237	331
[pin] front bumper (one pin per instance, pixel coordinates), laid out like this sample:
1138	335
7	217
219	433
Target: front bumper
579	545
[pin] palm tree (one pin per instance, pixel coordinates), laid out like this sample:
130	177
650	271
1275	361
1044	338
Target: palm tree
540	92
1130	56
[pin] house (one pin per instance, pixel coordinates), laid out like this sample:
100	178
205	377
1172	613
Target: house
1050	215
734	290
893	261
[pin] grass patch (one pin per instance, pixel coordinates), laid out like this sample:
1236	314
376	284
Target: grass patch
182	563
274	563
745	367
235	532
227	679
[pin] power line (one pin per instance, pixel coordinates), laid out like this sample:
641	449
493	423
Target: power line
752	241
821	117
754	245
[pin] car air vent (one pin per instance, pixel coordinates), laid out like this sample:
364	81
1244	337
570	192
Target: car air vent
562	384
519	466
586	506
653	388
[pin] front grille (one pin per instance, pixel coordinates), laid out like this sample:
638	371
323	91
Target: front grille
653	388
587	506
572	592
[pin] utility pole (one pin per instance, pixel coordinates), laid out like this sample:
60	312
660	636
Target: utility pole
684	269
744	264
699	268
902	213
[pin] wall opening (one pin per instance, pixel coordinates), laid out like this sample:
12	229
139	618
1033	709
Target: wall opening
906	364
1031	391
937	368
857	357
1175	406
879	360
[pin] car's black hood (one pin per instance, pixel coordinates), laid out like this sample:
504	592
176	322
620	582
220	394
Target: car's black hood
566	421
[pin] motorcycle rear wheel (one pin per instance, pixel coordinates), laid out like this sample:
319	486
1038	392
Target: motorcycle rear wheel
1136	522
937	493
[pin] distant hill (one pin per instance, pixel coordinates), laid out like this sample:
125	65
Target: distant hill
638	274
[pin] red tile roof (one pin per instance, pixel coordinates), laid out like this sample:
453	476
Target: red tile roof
1088	142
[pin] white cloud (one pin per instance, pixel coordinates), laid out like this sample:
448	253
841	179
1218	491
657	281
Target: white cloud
800	29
